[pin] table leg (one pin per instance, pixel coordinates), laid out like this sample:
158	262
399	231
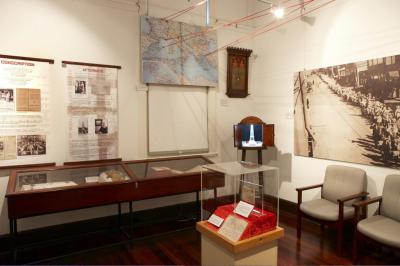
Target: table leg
198	206
119	216
130	219
260	174
13	234
241	176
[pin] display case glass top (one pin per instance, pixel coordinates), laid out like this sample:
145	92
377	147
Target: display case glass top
63	177
238	168
167	167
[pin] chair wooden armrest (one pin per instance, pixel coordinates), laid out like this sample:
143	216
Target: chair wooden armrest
309	187
363	204
367	202
351	197
300	192
341	202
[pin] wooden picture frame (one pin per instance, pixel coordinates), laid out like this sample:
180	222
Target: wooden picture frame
238	72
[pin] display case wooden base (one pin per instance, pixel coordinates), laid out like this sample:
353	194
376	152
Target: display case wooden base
258	250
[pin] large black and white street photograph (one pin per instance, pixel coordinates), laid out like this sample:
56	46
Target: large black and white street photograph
350	112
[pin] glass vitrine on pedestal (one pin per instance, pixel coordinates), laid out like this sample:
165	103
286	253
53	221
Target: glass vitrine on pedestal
240	220
248	204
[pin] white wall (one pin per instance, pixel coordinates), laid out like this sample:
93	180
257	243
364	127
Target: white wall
104	32
346	31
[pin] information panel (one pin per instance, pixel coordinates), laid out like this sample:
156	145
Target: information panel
93	112
24	111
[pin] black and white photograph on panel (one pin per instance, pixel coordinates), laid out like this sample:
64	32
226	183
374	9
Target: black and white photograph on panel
83	127
28	145
80	87
7	100
349	112
101	126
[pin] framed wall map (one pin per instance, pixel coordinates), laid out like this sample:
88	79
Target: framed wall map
177	53
238	72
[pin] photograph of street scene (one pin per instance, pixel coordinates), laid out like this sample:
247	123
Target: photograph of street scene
350	112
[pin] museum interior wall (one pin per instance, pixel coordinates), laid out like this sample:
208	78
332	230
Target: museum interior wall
107	32
104	32
346	31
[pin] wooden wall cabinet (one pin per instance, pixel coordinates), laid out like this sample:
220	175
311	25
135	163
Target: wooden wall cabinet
238	72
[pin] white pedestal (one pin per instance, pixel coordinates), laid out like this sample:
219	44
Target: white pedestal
258	250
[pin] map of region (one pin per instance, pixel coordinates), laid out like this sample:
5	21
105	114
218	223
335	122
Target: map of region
172	54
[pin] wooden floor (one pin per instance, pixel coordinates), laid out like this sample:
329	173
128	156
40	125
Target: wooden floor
182	247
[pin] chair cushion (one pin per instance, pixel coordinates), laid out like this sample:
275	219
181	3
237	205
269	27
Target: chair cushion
341	181
325	210
382	229
391	197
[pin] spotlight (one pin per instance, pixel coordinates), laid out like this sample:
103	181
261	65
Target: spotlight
278	12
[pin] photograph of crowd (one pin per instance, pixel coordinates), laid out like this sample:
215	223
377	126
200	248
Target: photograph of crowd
80	87
83	128
100	126
31	145
350	112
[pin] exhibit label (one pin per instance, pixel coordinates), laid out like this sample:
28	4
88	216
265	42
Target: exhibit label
215	220
244	209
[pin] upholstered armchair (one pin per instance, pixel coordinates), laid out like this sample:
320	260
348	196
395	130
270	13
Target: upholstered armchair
384	227
341	188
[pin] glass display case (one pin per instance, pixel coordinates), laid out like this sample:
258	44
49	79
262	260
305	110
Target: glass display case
159	168
58	178
79	185
88	184
248	203
171	176
35	191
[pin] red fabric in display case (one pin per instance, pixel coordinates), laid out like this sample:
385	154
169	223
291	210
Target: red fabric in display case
258	222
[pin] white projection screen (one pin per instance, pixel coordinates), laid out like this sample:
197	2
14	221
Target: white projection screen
177	120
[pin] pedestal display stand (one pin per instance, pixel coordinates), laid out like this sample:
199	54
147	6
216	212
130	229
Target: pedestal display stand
240	225
258	250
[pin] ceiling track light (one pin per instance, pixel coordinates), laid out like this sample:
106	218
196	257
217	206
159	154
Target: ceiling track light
278	12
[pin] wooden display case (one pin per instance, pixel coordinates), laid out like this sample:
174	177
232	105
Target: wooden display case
51	189
171	176
37	191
